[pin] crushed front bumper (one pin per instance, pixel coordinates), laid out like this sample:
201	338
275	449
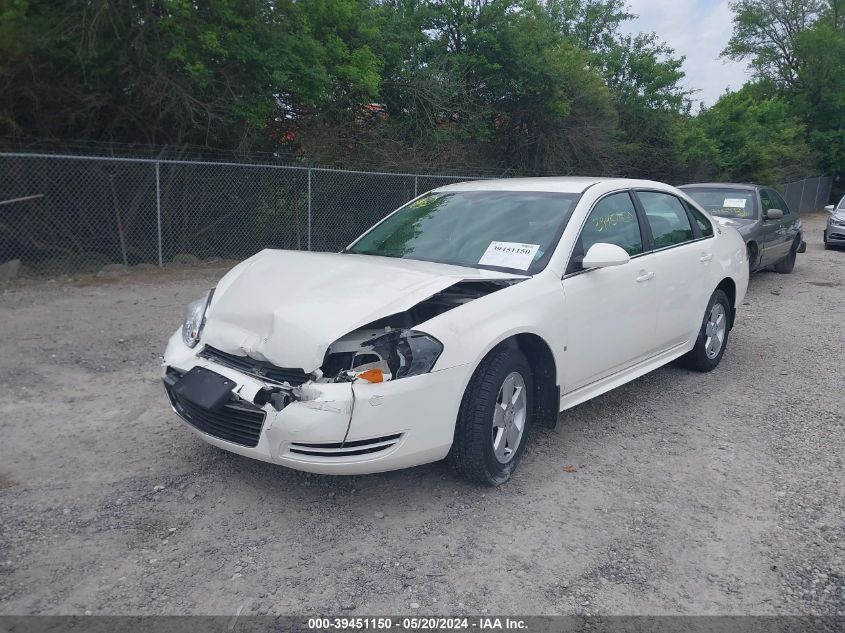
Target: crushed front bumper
333	428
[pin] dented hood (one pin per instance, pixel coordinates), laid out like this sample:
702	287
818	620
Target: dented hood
288	307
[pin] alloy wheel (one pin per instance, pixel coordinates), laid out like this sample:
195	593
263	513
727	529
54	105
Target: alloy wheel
715	330
509	417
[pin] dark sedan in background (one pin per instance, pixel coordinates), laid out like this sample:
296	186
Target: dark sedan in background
772	232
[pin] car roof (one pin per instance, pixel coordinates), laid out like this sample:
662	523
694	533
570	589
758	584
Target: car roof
728	185
568	184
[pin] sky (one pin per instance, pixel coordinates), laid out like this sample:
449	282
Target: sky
698	30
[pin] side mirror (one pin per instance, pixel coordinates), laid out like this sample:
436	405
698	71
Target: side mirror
774	214
829	208
602	255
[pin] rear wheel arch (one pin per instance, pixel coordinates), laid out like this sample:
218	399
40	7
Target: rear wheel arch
753	254
713	333
728	286
787	264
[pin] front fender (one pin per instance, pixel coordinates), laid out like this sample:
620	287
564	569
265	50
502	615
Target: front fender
468	333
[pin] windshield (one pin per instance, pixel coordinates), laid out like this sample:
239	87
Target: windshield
725	202
500	230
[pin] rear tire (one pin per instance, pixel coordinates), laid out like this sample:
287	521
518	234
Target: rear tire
712	337
785	266
497	405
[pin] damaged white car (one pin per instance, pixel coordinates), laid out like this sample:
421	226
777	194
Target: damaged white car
452	327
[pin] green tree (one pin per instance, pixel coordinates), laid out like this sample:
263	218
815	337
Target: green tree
764	32
820	92
797	47
177	71
489	83
644	78
551	110
757	137
592	25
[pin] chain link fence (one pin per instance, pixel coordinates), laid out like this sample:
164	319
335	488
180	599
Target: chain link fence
70	214
67	214
810	194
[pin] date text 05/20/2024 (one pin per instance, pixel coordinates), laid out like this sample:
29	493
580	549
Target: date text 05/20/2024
416	624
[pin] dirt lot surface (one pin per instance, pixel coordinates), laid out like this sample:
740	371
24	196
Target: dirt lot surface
692	494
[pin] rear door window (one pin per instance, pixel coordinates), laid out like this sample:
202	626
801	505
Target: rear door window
704	224
667	218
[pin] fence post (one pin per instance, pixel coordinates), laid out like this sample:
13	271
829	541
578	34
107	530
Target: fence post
816	200
309	208
801	202
415	186
158	212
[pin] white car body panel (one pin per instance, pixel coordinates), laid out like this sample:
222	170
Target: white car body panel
681	303
603	326
610	321
334	293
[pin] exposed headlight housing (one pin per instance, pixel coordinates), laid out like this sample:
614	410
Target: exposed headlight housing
836	222
406	352
195	319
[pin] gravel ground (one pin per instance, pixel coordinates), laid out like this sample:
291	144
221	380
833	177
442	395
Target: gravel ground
692	494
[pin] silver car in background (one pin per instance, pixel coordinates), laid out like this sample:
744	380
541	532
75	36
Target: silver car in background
834	233
772	232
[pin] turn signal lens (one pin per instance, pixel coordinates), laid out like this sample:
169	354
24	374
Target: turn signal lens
371	375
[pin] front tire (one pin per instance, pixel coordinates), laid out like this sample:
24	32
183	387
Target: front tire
494	419
712	337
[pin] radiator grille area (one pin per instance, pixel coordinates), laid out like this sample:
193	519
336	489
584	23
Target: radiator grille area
237	421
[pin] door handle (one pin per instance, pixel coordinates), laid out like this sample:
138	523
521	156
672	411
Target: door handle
706	257
644	276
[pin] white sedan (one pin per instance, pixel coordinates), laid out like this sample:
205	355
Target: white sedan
456	324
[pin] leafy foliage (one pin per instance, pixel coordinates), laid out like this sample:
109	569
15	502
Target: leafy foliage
797	49
516	86
175	71
757	139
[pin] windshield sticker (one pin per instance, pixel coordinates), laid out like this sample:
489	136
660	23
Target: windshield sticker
509	255
734	203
